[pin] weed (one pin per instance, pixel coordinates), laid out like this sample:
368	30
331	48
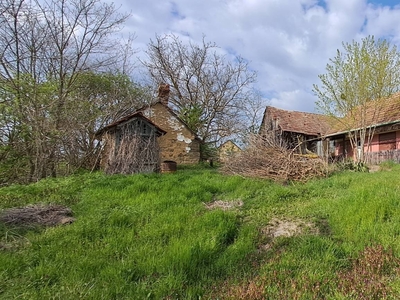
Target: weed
370	274
387	165
350	165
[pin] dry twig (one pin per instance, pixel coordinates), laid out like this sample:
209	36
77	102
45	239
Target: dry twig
274	162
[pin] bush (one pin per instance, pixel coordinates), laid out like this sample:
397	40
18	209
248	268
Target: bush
387	165
350	165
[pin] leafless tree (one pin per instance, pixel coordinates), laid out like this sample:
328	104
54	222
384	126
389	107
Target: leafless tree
208	89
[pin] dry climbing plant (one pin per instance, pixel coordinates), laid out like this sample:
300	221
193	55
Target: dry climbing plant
132	154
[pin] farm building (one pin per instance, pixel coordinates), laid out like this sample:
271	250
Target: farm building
180	143
226	150
382	121
131	145
329	137
152	134
298	131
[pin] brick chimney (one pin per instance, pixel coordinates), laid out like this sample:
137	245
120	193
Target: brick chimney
163	93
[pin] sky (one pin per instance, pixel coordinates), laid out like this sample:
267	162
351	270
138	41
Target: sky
287	42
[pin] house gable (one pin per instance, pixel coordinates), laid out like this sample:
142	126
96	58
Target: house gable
130	145
138	121
179	144
293	129
227	149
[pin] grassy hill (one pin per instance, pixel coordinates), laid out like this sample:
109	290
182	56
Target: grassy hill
199	234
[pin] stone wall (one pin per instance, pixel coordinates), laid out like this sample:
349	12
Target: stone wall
179	144
226	150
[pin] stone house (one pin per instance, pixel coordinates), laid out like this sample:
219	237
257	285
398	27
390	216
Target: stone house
130	145
226	150
178	142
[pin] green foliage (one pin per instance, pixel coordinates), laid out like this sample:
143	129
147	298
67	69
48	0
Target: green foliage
13	165
43	113
356	86
192	116
363	72
33	130
387	165
208	151
351	165
155	236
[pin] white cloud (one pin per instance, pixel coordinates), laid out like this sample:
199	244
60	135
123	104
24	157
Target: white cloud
288	42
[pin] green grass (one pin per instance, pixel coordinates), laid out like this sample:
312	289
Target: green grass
151	237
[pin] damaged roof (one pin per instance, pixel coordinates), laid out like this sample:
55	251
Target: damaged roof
127	118
377	113
296	121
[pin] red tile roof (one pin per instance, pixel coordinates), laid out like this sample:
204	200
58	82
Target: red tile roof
377	112
295	121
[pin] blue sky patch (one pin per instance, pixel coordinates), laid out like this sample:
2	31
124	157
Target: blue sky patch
390	3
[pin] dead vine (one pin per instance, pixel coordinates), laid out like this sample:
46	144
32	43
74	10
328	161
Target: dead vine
131	153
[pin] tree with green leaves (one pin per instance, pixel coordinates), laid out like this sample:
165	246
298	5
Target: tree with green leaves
357	82
45	47
97	99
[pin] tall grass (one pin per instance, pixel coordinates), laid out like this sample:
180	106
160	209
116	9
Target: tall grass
151	236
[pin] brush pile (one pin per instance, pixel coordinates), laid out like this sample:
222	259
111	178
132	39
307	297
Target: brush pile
275	163
38	214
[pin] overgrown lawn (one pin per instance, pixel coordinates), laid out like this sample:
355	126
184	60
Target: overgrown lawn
152	236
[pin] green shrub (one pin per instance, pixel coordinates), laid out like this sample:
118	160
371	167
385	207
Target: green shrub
350	165
387	165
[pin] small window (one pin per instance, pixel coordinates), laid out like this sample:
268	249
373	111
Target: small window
332	146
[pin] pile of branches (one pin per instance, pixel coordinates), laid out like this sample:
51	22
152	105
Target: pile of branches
263	160
38	214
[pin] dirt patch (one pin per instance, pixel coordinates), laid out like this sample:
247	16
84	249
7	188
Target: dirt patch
224	205
38	214
277	227
374	168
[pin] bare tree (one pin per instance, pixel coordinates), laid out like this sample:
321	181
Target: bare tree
208	90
